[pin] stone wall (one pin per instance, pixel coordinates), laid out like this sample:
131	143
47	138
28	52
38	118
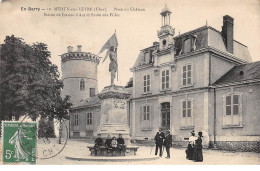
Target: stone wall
247	146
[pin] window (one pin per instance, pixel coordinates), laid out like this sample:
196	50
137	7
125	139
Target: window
76	119
165	79
82	85
186	113
92	92
232	109
89	118
187	75
187	46
147	83
147	58
145	113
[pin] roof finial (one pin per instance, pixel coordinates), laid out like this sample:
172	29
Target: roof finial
206	22
179	32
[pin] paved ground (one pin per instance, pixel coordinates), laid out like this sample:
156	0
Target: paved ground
211	157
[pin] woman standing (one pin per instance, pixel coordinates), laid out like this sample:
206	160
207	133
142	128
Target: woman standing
198	156
190	148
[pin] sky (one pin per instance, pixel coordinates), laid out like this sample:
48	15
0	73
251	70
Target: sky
135	30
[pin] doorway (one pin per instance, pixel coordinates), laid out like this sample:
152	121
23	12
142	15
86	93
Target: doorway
166	118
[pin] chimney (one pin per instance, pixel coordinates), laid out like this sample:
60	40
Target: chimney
155	43
228	32
79	48
70	49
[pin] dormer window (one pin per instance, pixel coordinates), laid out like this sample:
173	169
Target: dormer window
187	46
146	57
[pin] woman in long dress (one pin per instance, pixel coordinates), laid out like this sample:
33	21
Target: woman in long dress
190	147
198	156
19	153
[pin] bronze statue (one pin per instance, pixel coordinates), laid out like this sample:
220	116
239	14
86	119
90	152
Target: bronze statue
111	47
113	63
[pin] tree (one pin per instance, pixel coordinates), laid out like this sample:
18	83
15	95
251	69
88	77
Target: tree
129	83
29	81
46	127
60	111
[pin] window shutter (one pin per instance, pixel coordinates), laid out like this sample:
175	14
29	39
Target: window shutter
151	116
224	109
181	114
237	119
240	109
191	122
141	116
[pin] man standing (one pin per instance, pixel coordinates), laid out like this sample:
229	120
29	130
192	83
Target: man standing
159	141
168	143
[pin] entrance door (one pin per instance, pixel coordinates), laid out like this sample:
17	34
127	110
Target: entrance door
165	110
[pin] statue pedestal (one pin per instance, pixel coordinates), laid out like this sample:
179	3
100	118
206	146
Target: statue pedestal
113	119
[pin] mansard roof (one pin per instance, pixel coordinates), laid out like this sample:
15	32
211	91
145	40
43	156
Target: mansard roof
240	73
206	36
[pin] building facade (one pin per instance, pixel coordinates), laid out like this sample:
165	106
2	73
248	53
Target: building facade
184	83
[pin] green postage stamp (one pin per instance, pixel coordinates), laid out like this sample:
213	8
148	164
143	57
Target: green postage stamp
19	142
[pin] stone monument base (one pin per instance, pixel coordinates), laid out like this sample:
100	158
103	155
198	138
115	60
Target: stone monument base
113	119
114	130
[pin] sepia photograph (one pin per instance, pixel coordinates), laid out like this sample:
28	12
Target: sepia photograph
109	82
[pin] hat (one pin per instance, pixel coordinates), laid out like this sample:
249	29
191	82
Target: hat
192	133
200	134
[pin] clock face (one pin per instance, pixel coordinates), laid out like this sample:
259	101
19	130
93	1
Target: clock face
164	42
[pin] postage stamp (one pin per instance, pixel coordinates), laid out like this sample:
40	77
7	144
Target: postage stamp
19	142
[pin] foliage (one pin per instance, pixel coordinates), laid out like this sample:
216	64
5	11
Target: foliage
29	81
129	83
46	128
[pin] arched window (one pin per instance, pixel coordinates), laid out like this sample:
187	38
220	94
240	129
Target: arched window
82	85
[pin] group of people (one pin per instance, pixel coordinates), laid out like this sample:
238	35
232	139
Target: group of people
111	143
163	140
194	149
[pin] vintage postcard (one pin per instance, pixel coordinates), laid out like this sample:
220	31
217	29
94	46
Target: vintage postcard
109	82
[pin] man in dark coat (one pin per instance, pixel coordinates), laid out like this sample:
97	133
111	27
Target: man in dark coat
98	143
108	141
168	143
121	143
159	141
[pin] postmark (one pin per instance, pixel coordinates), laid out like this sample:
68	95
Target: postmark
19	142
52	136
